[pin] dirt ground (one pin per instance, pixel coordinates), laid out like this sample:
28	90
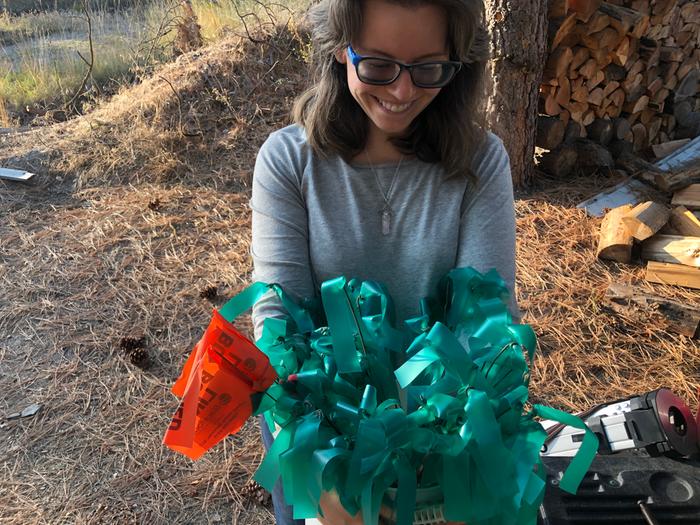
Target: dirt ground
137	225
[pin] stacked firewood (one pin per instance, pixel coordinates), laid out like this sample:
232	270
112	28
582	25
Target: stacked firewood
622	73
667	236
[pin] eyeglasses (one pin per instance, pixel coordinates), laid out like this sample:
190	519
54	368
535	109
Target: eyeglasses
383	71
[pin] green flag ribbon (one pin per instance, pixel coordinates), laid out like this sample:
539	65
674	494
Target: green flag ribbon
435	405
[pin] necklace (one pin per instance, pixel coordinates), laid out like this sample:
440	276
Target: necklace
386	211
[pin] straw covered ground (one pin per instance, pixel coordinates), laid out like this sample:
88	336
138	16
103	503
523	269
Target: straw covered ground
138	223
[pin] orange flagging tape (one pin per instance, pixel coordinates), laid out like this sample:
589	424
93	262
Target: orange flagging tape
223	371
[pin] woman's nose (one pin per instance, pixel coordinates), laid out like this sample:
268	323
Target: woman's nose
402	89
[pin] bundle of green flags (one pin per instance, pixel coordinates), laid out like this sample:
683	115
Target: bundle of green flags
365	406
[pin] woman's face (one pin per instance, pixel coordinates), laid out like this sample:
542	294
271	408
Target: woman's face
406	34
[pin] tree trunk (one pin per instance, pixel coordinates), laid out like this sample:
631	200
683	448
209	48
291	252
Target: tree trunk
518	46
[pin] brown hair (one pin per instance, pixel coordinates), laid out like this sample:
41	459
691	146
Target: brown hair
448	131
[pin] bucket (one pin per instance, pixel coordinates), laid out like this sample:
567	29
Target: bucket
428	505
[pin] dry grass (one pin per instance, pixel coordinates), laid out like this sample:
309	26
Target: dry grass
141	206
588	353
131	218
197	121
5	118
76	279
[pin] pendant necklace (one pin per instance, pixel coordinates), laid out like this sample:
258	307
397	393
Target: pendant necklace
386	212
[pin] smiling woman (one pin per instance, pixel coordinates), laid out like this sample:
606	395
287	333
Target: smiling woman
414	35
388	173
450	130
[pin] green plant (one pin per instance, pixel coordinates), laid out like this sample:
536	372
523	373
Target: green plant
6	120
43	63
46	53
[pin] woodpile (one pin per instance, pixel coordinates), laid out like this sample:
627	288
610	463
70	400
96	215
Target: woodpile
622	74
666	237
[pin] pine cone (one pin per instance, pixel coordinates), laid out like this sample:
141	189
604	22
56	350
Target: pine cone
210	292
138	357
255	494
132	343
134	349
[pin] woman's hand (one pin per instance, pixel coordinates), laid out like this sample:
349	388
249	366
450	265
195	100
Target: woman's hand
335	514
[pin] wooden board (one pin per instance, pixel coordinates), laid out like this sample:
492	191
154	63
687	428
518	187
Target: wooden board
560	161
676	249
584	8
676	274
558	8
580	55
680	318
684	222
550	132
629	191
645	219
688	197
631	20
558	63
678	180
666	148
682	157
559	29
615	240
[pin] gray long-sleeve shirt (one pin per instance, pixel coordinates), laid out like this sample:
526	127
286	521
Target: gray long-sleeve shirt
317	218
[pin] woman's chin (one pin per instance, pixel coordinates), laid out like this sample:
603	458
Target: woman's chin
391	127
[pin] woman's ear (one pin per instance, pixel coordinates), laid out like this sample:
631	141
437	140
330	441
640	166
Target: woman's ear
341	55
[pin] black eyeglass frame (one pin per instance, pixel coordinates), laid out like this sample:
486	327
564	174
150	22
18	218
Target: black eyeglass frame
356	59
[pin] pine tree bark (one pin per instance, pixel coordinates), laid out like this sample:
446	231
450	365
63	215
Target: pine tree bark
518	36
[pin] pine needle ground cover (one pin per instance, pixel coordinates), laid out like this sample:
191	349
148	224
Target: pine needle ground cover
137	226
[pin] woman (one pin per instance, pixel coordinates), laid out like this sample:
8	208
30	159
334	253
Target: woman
387	173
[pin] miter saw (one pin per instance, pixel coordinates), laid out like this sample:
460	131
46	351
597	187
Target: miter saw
647	470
